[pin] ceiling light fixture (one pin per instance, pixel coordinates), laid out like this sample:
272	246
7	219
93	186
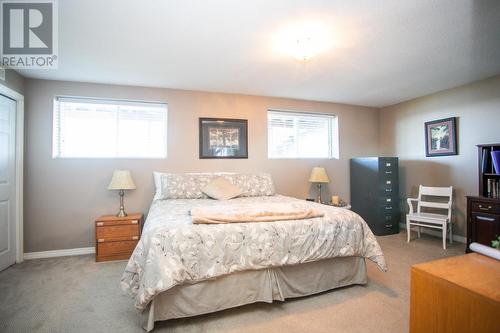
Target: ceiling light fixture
303	50
302	40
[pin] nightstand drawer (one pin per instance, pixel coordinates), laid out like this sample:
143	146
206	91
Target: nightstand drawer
478	206
115	248
117	232
117	222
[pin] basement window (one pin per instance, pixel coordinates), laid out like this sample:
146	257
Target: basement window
107	128
297	135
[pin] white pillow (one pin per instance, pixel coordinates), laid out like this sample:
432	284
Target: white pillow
221	189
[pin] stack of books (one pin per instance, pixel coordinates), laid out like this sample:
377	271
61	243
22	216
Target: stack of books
493	188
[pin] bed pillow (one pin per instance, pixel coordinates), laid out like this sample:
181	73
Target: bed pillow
181	185
222	189
253	184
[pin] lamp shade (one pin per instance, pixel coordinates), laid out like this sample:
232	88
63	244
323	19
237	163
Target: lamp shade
121	180
318	175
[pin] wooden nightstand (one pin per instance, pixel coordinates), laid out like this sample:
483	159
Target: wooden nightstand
116	237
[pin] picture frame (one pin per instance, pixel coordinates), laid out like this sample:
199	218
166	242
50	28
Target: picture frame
441	137
223	138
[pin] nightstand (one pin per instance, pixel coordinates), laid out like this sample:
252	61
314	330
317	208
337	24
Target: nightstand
116	237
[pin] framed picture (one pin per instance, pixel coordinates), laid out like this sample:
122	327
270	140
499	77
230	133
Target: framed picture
223	138
441	137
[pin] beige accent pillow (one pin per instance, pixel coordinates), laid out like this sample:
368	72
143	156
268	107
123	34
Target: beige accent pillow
221	189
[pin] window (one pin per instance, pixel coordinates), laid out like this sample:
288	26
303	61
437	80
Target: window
301	135
85	127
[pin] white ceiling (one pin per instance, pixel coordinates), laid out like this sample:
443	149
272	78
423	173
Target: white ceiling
382	53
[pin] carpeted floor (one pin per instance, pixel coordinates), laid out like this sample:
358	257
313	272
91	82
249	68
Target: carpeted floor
75	294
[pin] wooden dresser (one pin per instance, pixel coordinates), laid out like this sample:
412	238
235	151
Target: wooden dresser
116	237
455	295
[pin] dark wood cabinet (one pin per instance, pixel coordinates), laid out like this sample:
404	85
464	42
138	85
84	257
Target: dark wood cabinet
374	192
483	211
483	220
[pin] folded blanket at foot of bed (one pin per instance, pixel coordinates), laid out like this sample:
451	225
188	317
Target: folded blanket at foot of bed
242	213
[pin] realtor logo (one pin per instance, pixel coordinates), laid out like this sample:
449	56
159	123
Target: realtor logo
29	34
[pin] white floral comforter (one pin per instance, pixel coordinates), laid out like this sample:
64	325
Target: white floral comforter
173	251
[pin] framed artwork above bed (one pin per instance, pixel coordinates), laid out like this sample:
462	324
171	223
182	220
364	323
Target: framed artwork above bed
223	138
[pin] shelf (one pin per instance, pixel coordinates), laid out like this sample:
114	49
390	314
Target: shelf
491	174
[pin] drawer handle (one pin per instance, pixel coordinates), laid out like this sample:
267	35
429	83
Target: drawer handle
390	207
134	222
135	237
388	172
482	218
484	208
100	224
388	189
388	225
100	240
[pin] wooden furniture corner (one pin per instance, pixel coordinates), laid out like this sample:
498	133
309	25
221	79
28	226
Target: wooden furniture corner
116	237
454	295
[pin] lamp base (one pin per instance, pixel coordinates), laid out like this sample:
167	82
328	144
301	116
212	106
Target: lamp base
121	213
318	198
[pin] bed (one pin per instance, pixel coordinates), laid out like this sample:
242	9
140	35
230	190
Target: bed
180	269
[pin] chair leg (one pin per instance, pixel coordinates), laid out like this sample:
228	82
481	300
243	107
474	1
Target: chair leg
444	236
407	229
419	230
451	234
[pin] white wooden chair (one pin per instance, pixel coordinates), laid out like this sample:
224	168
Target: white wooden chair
431	220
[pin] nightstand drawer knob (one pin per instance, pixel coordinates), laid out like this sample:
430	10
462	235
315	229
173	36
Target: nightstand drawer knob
99	224
485	208
134	221
100	240
135	237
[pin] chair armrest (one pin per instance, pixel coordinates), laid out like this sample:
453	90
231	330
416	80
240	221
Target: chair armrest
409	200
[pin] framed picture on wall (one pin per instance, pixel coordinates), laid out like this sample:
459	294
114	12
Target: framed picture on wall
223	138
441	137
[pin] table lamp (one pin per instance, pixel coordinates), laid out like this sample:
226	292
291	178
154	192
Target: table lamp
121	181
319	176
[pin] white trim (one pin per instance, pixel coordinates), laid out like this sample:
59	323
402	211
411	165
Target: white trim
457	238
59	253
4	90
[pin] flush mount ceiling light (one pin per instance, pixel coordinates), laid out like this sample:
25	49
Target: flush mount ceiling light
302	40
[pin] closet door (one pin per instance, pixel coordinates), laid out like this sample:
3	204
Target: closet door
7	182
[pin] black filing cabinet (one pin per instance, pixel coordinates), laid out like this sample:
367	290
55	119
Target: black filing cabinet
374	192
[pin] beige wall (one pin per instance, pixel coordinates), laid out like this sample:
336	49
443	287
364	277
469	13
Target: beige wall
14	81
477	107
64	196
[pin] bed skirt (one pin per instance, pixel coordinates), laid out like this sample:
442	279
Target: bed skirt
265	285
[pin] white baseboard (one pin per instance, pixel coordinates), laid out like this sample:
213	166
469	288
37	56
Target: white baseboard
59	253
428	231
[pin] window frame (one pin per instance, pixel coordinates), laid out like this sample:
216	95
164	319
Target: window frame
334	153
105	100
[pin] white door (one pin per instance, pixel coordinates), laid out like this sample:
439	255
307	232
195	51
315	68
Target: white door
7	182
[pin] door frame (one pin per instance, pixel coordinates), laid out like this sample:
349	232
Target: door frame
6	91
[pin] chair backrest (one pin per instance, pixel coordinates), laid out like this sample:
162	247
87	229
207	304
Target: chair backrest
428	191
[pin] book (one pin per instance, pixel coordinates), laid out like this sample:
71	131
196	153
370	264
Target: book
495	159
485	160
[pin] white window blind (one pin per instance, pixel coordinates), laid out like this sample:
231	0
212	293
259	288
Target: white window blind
84	127
301	135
